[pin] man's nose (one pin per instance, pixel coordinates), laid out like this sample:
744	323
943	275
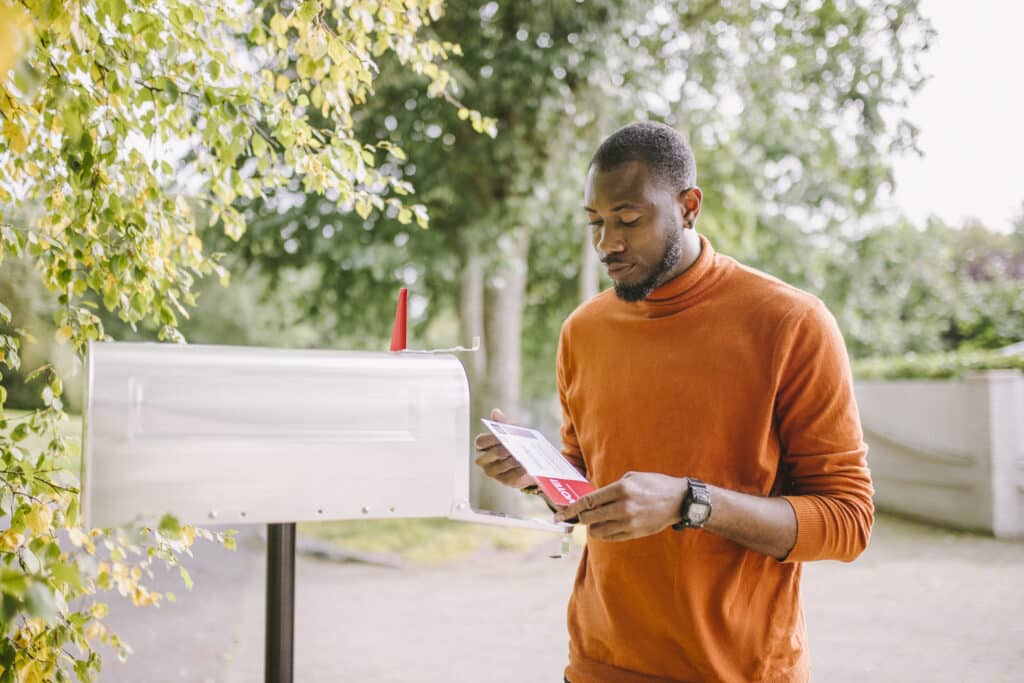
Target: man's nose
610	241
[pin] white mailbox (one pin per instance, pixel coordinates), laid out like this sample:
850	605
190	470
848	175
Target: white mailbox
220	434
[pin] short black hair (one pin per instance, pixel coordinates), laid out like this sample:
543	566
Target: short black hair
664	149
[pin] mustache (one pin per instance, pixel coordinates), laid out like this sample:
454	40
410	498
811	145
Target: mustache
611	260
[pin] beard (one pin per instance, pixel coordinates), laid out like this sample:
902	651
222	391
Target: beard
641	290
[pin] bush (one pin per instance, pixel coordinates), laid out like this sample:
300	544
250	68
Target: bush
954	364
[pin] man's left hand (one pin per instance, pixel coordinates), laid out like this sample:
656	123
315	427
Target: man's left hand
640	504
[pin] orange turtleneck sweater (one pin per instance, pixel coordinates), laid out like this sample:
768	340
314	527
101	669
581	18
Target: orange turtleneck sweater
731	376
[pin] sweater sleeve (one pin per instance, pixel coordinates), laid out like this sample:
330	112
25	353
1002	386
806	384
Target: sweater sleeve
570	444
824	466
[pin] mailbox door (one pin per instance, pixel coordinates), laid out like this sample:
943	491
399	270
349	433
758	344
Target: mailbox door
253	435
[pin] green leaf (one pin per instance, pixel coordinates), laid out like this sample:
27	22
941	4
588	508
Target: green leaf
31	562
305	67
9	607
338	52
363	208
185	577
278	24
19	432
259	145
39	602
308	11
171	92
13	582
5	314
170	527
71	514
118	8
67	573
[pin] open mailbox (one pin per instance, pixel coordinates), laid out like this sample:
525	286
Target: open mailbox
237	435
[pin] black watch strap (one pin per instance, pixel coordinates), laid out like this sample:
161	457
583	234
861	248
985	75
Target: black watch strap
696	507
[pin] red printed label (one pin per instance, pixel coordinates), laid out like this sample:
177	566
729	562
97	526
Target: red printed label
564	491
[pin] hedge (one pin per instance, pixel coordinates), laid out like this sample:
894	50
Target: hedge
953	364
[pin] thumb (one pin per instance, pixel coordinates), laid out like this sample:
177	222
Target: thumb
498	416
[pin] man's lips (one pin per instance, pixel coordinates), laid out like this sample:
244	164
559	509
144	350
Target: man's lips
617	270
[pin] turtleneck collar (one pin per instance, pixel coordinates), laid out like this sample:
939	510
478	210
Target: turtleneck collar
686	288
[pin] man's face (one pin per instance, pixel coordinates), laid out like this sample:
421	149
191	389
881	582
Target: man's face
636	226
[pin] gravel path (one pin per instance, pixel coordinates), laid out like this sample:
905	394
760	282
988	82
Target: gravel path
920	605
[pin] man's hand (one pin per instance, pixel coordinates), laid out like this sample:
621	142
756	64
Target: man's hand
497	462
640	504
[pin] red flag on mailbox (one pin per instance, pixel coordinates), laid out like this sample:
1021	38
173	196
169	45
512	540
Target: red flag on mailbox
399	333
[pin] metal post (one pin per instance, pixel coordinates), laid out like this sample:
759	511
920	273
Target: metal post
279	651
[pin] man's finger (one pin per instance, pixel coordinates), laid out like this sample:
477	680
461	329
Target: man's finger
507	465
490	457
591	501
499	467
612	512
498	416
605	531
485	441
512	478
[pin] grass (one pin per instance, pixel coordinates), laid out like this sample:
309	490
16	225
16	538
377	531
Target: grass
425	541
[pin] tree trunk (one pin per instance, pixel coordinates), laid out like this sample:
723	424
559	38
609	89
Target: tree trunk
471	324
588	270
503	319
471	315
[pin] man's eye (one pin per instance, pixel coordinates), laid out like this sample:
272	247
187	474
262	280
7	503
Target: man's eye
595	224
631	223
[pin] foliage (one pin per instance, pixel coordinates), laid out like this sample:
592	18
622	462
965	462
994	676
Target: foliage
793	111
952	364
990	301
904	289
123	124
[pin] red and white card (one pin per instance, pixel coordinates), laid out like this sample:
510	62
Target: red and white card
562	483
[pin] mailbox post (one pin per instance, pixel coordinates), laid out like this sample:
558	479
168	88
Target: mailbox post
279	652
232	435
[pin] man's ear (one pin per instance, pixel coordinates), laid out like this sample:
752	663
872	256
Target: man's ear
690	201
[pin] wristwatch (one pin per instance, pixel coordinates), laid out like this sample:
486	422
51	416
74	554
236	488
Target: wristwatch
696	507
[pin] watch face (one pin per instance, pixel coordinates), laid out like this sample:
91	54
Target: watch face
697	512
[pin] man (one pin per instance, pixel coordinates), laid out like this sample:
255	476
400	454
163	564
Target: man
712	406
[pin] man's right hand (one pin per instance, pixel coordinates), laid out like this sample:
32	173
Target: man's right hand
497	462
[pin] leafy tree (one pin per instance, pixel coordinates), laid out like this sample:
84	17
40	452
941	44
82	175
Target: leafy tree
894	290
901	289
792	108
121	123
989	268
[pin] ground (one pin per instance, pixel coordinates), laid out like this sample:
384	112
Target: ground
922	604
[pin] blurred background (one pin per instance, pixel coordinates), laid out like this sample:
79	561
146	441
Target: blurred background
867	151
864	151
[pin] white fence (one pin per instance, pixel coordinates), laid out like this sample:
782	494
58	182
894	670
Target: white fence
949	451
